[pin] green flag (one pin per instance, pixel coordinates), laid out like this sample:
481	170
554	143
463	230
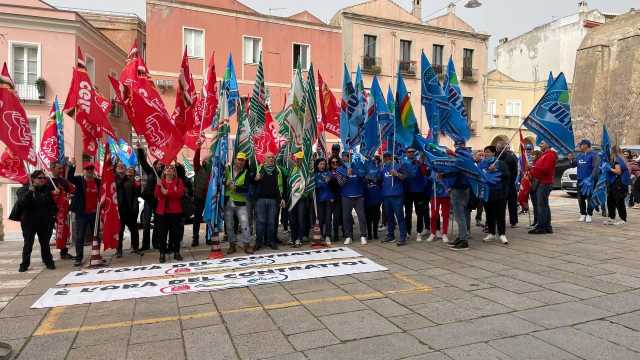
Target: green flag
293	123
243	142
310	131
257	105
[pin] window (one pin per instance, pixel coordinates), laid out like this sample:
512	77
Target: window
405	50
252	50
12	196
491	110
514	108
438	51
369	46
34	126
194	41
301	54
91	69
25	64
467	101
467	59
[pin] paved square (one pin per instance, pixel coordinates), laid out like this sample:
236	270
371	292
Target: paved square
571	295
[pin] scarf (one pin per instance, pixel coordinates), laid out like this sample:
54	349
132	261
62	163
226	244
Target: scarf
269	169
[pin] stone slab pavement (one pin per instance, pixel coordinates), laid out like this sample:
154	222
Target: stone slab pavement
574	294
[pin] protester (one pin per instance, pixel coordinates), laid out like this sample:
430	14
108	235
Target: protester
299	213
440	211
618	184
269	195
460	196
36	211
544	172
393	176
169	192
237	178
535	155
373	198
587	163
334	164
325	200
414	192
84	205
352	182
200	187
149	216
498	191
66	189
634	168
478	156
128	190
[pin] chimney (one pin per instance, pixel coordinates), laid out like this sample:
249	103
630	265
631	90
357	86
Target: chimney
451	8
416	10
583	6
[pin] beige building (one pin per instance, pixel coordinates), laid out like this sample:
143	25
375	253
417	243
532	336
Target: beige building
508	103
383	37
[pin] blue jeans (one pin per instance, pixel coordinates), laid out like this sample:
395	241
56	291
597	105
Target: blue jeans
542	206
83	222
459	202
393	208
266	212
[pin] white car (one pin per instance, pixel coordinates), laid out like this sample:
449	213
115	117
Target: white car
569	181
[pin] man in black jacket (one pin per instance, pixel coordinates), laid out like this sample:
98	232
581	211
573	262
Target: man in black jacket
83	204
200	187
148	213
128	192
269	195
511	160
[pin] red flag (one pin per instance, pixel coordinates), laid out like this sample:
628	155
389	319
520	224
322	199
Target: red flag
206	106
134	67
48	152
525	183
82	100
150	118
14	125
329	108
265	141
105	105
184	111
109	216
12	168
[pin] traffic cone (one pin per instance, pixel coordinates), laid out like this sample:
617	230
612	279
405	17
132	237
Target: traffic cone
317	237
96	259
216	250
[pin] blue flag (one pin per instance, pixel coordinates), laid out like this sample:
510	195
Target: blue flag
455	122
123	152
60	129
351	114
230	86
406	125
385	117
432	97
213	213
605	146
550	80
550	119
371	126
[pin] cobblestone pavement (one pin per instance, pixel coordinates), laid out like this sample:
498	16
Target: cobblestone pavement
571	295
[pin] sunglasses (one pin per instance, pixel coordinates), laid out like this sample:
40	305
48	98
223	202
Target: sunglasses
410	152
41	178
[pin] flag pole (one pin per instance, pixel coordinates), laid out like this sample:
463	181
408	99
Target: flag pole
510	140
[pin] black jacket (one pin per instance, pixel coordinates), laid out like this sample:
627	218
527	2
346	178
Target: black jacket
128	194
149	187
37	206
511	161
77	201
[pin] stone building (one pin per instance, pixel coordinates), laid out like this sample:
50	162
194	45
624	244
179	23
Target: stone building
607	81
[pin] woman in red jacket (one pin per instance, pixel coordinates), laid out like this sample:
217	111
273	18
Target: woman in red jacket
169	193
543	172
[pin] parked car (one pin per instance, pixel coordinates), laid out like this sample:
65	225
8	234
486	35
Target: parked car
569	182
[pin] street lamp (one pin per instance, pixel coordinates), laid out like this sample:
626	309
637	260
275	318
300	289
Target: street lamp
472	4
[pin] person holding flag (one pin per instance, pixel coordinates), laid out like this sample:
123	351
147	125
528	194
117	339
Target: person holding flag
149	215
351	178
325	199
543	172
202	170
268	190
393	175
128	191
619	179
65	191
587	163
496	206
414	194
84	204
237	179
169	192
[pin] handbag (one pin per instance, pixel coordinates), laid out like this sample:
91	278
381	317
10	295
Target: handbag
17	211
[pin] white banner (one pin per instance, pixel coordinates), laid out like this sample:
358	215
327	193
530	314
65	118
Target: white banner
150	288
196	267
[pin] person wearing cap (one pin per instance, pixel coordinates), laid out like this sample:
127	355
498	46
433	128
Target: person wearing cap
392	176
269	195
544	172
587	163
335	151
84	204
237	179
414	192
128	190
351	178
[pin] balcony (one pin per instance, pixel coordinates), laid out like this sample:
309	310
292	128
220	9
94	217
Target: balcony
371	65
470	75
30	92
407	67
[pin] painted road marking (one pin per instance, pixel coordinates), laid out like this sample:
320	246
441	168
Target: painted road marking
47	327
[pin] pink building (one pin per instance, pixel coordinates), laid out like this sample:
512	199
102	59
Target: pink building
227	26
39	45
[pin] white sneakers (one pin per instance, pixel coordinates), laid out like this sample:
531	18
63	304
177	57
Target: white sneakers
582	218
608	222
445	239
588	219
619	222
431	237
327	240
503	239
347	241
363	240
489	237
438	234
419	238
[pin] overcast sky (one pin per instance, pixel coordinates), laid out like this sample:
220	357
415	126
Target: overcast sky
499	18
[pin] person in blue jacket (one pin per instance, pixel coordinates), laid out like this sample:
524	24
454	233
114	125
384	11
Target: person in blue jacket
586	163
393	176
414	192
373	198
325	199
352	183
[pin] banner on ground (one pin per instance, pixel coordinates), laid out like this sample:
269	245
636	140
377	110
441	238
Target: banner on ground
195	267
152	287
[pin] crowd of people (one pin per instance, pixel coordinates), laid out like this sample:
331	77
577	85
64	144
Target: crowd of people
395	191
